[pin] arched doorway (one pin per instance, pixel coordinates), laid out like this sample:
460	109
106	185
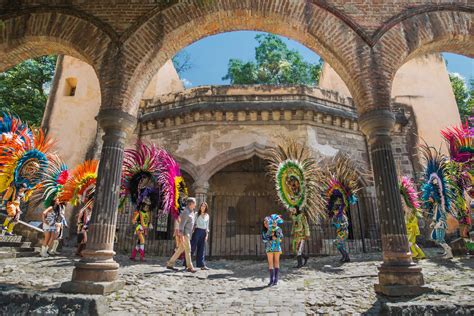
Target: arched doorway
241	195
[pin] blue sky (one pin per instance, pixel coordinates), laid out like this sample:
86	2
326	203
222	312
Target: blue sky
210	57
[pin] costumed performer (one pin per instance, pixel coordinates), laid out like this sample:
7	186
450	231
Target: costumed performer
340	183
140	171
296	174
437	194
411	205
272	236
80	190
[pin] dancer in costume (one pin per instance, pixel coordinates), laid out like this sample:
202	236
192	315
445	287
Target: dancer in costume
49	191
299	233
296	173
341	182
272	236
23	160
437	194
460	141
140	171
411	206
80	189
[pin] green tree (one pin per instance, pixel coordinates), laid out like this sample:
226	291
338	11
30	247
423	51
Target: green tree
274	64
463	95
24	88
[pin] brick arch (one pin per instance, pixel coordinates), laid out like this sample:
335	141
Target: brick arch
444	30
229	157
168	31
36	32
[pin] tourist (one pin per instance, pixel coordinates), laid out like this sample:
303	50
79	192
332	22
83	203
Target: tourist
272	235
83	220
49	228
200	235
186	226
59	223
299	233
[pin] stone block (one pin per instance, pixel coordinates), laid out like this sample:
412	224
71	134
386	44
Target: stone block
95	288
20	303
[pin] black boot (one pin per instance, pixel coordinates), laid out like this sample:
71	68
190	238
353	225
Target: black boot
305	257
300	262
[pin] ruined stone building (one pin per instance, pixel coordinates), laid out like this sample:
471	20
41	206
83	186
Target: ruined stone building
219	134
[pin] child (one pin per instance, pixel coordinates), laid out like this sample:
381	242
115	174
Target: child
272	236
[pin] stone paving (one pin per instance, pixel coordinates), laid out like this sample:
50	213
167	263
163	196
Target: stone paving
239	286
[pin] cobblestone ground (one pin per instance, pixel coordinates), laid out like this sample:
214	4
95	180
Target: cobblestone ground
239	286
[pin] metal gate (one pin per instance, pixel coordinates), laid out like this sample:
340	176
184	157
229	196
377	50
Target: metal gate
236	225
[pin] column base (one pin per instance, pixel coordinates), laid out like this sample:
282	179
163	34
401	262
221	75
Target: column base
96	273
401	280
401	290
89	287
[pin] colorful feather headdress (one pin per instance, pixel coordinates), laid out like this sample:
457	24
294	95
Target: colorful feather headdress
341	182
140	172
409	193
274	218
174	190
25	163
13	130
52	184
296	173
81	184
436	183
460	141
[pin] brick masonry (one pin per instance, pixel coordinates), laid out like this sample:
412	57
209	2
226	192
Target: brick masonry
127	42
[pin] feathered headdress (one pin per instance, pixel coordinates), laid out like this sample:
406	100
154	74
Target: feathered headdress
436	184
24	164
274	218
341	182
460	141
81	184
296	173
52	184
174	190
409	193
13	130
140	171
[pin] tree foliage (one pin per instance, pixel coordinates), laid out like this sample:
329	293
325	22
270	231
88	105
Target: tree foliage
274	64
182	62
464	96
24	88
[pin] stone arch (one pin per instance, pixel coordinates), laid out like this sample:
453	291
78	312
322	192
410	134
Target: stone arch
187	166
429	31
166	32
228	157
35	32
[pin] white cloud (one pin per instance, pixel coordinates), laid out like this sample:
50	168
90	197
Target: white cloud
186	83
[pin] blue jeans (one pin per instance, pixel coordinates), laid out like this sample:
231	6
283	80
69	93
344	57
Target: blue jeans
198	243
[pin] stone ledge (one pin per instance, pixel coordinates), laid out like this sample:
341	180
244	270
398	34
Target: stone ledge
24	303
427	308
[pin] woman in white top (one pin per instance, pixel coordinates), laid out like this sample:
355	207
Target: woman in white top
200	235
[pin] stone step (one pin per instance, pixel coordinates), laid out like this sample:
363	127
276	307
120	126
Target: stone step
21	244
7	255
14	238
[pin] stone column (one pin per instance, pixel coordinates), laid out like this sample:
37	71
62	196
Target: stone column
398	275
97	272
200	190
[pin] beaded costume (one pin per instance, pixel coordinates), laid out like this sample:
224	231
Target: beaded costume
411	206
437	194
271	244
296	173
340	183
460	141
24	157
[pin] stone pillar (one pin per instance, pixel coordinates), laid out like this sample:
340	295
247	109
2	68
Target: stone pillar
398	275
200	190
97	272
